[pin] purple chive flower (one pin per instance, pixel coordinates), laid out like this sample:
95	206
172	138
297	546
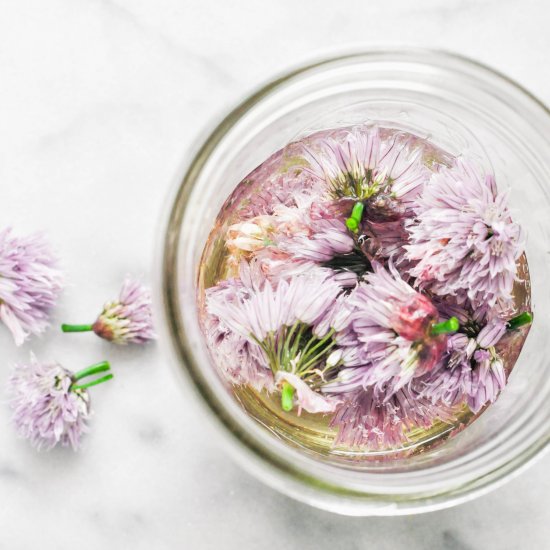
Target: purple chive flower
292	325
280	180
370	418
316	234
388	333
49	407
30	284
241	360
306	299
363	166
290	238
126	320
243	239
464	242
384	241
473	370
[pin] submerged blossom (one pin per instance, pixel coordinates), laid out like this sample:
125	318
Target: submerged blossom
464	242
316	234
473	371
241	360
365	167
30	284
246	237
48	408
370	418
280	180
290	238
386	332
292	324
307	299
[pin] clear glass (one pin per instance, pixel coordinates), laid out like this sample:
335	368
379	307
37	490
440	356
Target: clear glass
460	106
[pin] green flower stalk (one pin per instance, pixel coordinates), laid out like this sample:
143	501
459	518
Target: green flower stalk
122	321
525	318
50	404
446	327
354	221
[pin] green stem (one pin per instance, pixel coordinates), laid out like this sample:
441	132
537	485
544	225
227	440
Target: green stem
268	352
316	358
285	354
92	383
357	212
287	397
306	352
450	325
352	223
92	369
76	328
525	318
297	341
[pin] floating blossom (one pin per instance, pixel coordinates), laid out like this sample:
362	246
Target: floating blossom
311	233
281	180
464	242
49	407
291	323
474	371
315	233
241	360
126	320
308	300
30	284
389	333
384	174
245	238
370	418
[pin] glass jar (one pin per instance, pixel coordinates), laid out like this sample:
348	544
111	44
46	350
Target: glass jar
462	107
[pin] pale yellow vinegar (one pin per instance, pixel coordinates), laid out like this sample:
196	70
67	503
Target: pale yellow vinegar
311	432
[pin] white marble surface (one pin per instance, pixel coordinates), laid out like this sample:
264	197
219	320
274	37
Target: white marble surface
99	100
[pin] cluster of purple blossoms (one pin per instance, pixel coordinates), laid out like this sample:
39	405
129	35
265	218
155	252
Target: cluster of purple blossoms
473	370
379	294
287	331
387	334
45	410
50	405
463	241
30	284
